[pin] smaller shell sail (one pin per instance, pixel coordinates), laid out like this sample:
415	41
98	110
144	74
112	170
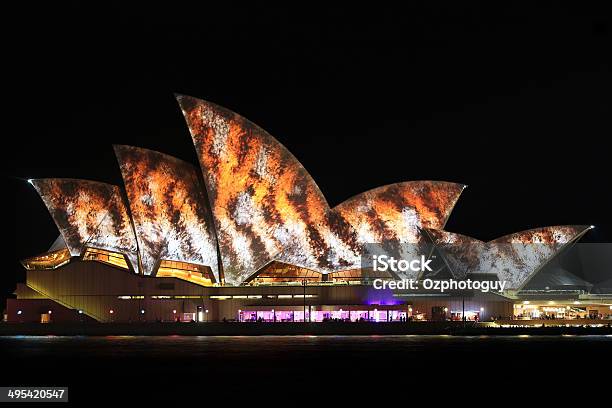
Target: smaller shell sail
514	258
388	219
169	209
89	214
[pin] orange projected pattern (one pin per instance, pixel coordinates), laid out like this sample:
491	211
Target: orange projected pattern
89	213
267	216
555	235
391	217
397	211
168	208
265	205
514	258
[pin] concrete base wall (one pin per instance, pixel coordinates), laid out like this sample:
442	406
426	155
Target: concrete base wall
108	294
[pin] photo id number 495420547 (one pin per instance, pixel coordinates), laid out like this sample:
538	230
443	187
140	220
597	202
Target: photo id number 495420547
25	394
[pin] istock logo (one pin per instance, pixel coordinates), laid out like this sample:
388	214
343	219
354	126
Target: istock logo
383	263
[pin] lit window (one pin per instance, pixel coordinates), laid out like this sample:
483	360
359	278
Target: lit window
50	260
198	274
107	257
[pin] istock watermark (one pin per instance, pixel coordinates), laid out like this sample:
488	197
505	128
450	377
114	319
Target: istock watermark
384	263
441	286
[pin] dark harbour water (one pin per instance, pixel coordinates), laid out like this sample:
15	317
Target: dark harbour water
113	369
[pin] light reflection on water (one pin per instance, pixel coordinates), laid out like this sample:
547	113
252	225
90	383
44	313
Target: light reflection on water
228	344
178	349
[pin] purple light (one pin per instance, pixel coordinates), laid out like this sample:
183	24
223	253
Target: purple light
381	297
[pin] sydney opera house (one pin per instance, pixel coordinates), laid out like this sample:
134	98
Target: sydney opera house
248	236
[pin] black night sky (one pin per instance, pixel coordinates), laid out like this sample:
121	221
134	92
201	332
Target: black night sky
513	101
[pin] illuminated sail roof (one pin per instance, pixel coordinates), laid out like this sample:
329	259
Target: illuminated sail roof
514	258
89	214
168	208
392	216
262	208
265	204
397	211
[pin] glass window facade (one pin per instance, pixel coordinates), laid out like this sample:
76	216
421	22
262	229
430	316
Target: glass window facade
107	257
50	260
187	271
